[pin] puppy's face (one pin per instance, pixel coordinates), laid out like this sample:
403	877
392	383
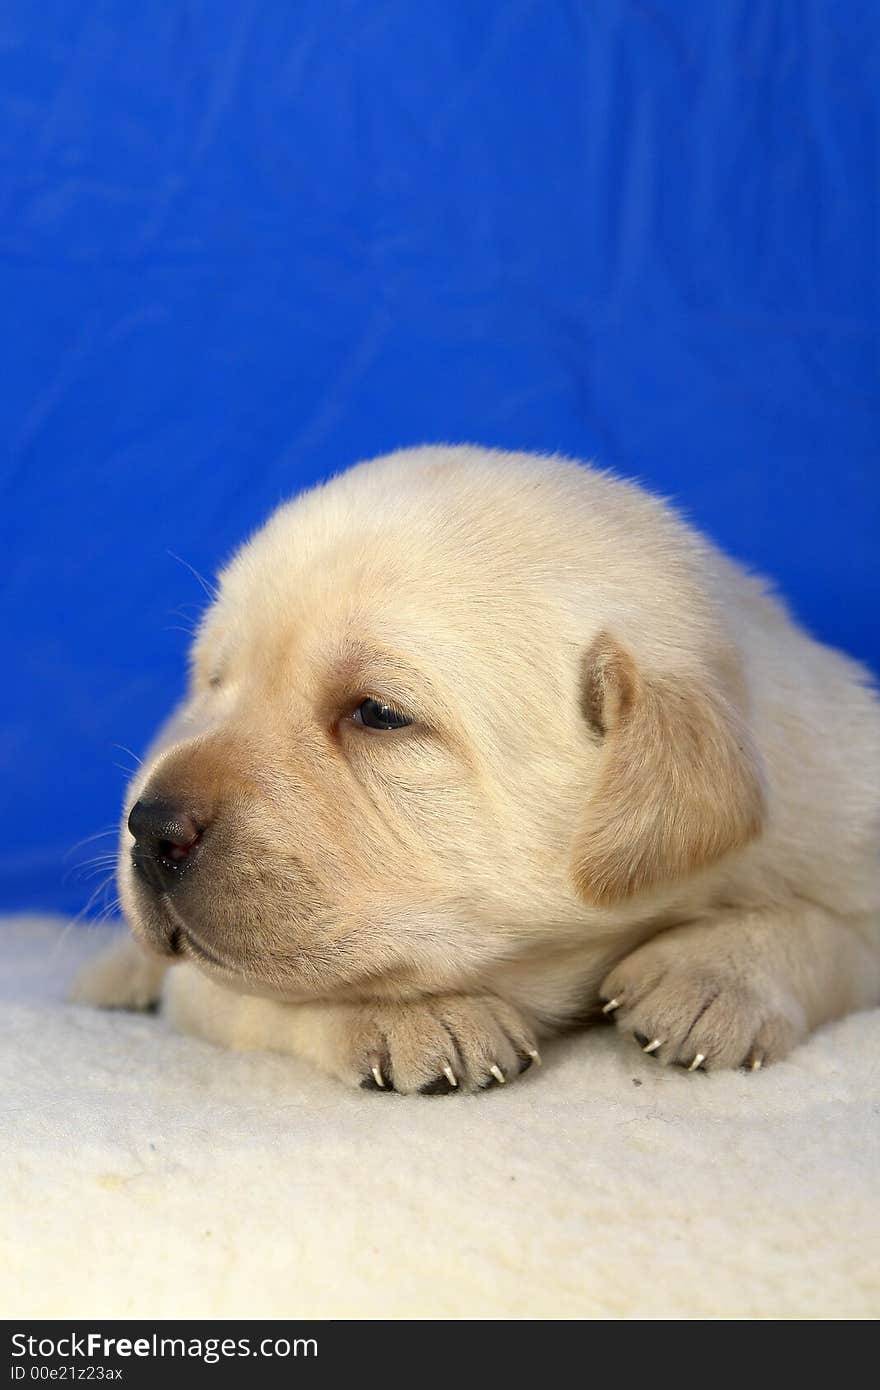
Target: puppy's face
396	719
364	785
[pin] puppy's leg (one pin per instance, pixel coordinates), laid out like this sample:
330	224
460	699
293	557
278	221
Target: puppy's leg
433	1045
742	989
122	977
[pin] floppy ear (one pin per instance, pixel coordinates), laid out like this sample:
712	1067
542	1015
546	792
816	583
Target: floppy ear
679	785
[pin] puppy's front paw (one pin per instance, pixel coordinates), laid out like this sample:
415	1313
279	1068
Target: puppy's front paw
434	1046
682	1005
121	977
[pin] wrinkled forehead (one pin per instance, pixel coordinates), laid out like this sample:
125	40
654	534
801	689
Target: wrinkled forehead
408	612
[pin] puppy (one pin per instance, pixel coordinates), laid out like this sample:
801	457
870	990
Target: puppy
478	746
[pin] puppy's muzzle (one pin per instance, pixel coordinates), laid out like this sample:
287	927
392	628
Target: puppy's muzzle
167	841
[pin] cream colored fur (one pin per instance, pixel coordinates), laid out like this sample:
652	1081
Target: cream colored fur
630	778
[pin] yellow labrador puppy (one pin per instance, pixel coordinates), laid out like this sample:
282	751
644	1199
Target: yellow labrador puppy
478	745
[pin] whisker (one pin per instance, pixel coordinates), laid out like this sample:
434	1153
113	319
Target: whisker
122	748
94	897
210	589
92	873
75	921
191	621
107	911
87	839
78	871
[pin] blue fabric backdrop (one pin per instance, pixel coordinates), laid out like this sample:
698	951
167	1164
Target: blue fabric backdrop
244	244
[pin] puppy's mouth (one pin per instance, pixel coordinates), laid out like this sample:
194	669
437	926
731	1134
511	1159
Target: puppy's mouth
181	940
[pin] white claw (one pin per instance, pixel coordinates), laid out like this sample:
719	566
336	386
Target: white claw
450	1076
698	1061
535	1055
757	1064
611	1006
498	1074
652	1046
378	1077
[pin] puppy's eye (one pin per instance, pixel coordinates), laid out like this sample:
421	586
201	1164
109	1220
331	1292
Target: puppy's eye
375	714
215	681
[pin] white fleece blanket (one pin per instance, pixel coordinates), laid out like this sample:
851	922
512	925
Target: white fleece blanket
150	1175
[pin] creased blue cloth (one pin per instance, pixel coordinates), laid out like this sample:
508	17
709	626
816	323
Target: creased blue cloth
244	244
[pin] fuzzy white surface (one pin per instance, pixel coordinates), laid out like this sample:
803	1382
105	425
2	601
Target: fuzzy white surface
151	1175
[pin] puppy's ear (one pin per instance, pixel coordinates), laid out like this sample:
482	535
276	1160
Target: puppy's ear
679	783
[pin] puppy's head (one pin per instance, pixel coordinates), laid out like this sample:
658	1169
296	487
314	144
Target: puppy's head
444	710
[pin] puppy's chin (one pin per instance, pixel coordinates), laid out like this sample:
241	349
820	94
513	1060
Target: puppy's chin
162	932
150	924
297	976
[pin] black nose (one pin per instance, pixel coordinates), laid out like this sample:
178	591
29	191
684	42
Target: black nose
165	840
